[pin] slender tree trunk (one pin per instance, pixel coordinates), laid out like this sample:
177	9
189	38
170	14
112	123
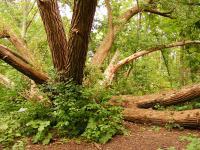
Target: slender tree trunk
109	69
81	25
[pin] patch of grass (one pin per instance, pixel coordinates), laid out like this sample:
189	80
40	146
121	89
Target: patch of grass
194	142
155	128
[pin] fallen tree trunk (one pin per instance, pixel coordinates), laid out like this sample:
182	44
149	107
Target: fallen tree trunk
22	65
188	118
139	108
176	97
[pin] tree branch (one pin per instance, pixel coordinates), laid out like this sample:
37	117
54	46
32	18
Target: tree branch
21	65
164	14
19	44
136	55
105	46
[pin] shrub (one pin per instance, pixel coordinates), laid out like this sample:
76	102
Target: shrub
73	113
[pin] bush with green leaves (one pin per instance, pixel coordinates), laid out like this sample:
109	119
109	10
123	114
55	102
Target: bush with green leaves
73	113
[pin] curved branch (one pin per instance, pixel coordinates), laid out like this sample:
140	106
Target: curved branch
110	20
21	65
105	46
136	55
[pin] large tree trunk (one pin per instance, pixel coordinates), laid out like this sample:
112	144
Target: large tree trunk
81	25
56	36
139	108
68	57
22	65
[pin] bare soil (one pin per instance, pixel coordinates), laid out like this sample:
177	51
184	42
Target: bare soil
140	137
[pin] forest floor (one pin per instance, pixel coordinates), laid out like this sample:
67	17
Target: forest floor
140	137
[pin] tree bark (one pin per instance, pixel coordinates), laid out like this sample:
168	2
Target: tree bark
176	97
188	118
118	65
56	36
81	25
110	68
139	108
22	65
68	57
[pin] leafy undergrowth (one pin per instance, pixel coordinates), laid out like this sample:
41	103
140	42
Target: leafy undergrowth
194	142
73	114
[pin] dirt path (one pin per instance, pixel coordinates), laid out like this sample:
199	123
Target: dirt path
141	137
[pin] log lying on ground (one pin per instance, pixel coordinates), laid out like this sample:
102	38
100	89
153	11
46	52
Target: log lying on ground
139	108
188	118
176	97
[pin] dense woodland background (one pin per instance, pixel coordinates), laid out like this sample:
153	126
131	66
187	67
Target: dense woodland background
135	48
